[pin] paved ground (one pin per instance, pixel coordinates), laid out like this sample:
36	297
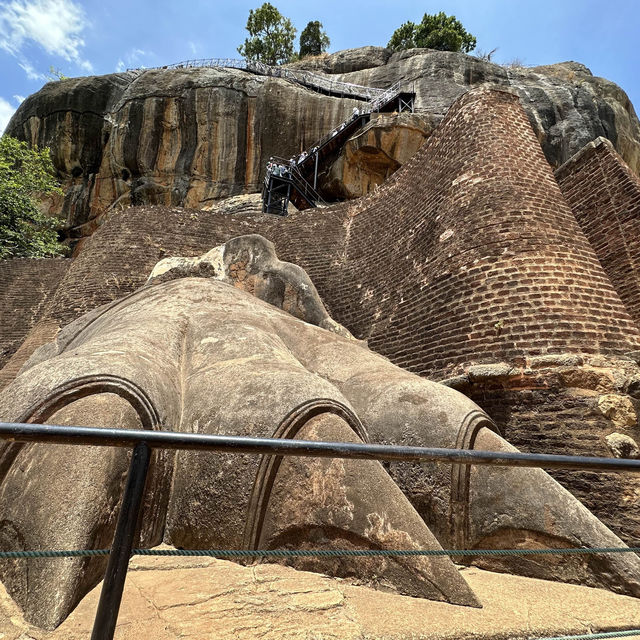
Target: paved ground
201	599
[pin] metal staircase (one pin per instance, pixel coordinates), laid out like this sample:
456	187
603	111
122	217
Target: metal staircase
296	180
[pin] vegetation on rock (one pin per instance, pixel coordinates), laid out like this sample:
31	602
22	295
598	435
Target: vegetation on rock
55	74
25	174
271	36
436	31
313	39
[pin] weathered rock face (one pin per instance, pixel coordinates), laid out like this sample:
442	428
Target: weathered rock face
371	156
346	61
567	106
189	136
183	136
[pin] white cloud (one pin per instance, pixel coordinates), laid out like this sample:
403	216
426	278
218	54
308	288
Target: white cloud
19	99
134	59
32	74
55	25
6	111
194	48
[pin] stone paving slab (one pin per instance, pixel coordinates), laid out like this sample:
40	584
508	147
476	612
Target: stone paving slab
203	598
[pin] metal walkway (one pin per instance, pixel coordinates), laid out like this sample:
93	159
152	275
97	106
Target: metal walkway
296	180
314	81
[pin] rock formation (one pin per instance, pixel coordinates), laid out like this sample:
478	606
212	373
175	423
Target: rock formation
473	264
205	356
567	106
191	136
467	266
375	153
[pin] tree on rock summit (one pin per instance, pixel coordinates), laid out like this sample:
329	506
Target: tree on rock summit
271	36
313	39
436	31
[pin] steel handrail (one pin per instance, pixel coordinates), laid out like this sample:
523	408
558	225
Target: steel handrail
143	441
108	437
372	106
300	76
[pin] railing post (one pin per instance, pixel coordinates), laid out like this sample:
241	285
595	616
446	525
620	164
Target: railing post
104	625
315	173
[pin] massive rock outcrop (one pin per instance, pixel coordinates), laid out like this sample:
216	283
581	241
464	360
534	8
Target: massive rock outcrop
567	106
190	136
181	136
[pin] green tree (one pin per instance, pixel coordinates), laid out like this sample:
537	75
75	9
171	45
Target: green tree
403	37
436	31
26	174
313	40
271	36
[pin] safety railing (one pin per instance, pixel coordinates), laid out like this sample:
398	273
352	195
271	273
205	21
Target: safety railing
289	170
371	107
300	76
144	441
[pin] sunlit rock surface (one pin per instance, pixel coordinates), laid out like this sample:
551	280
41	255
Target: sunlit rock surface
190	136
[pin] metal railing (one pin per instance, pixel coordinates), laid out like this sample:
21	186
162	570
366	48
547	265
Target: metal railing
143	441
292	166
307	78
372	106
285	169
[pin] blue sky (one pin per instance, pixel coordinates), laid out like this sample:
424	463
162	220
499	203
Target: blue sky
81	37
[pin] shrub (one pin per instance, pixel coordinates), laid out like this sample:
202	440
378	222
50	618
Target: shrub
26	174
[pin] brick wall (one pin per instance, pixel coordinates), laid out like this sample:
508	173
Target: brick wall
25	286
558	408
605	197
478	254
